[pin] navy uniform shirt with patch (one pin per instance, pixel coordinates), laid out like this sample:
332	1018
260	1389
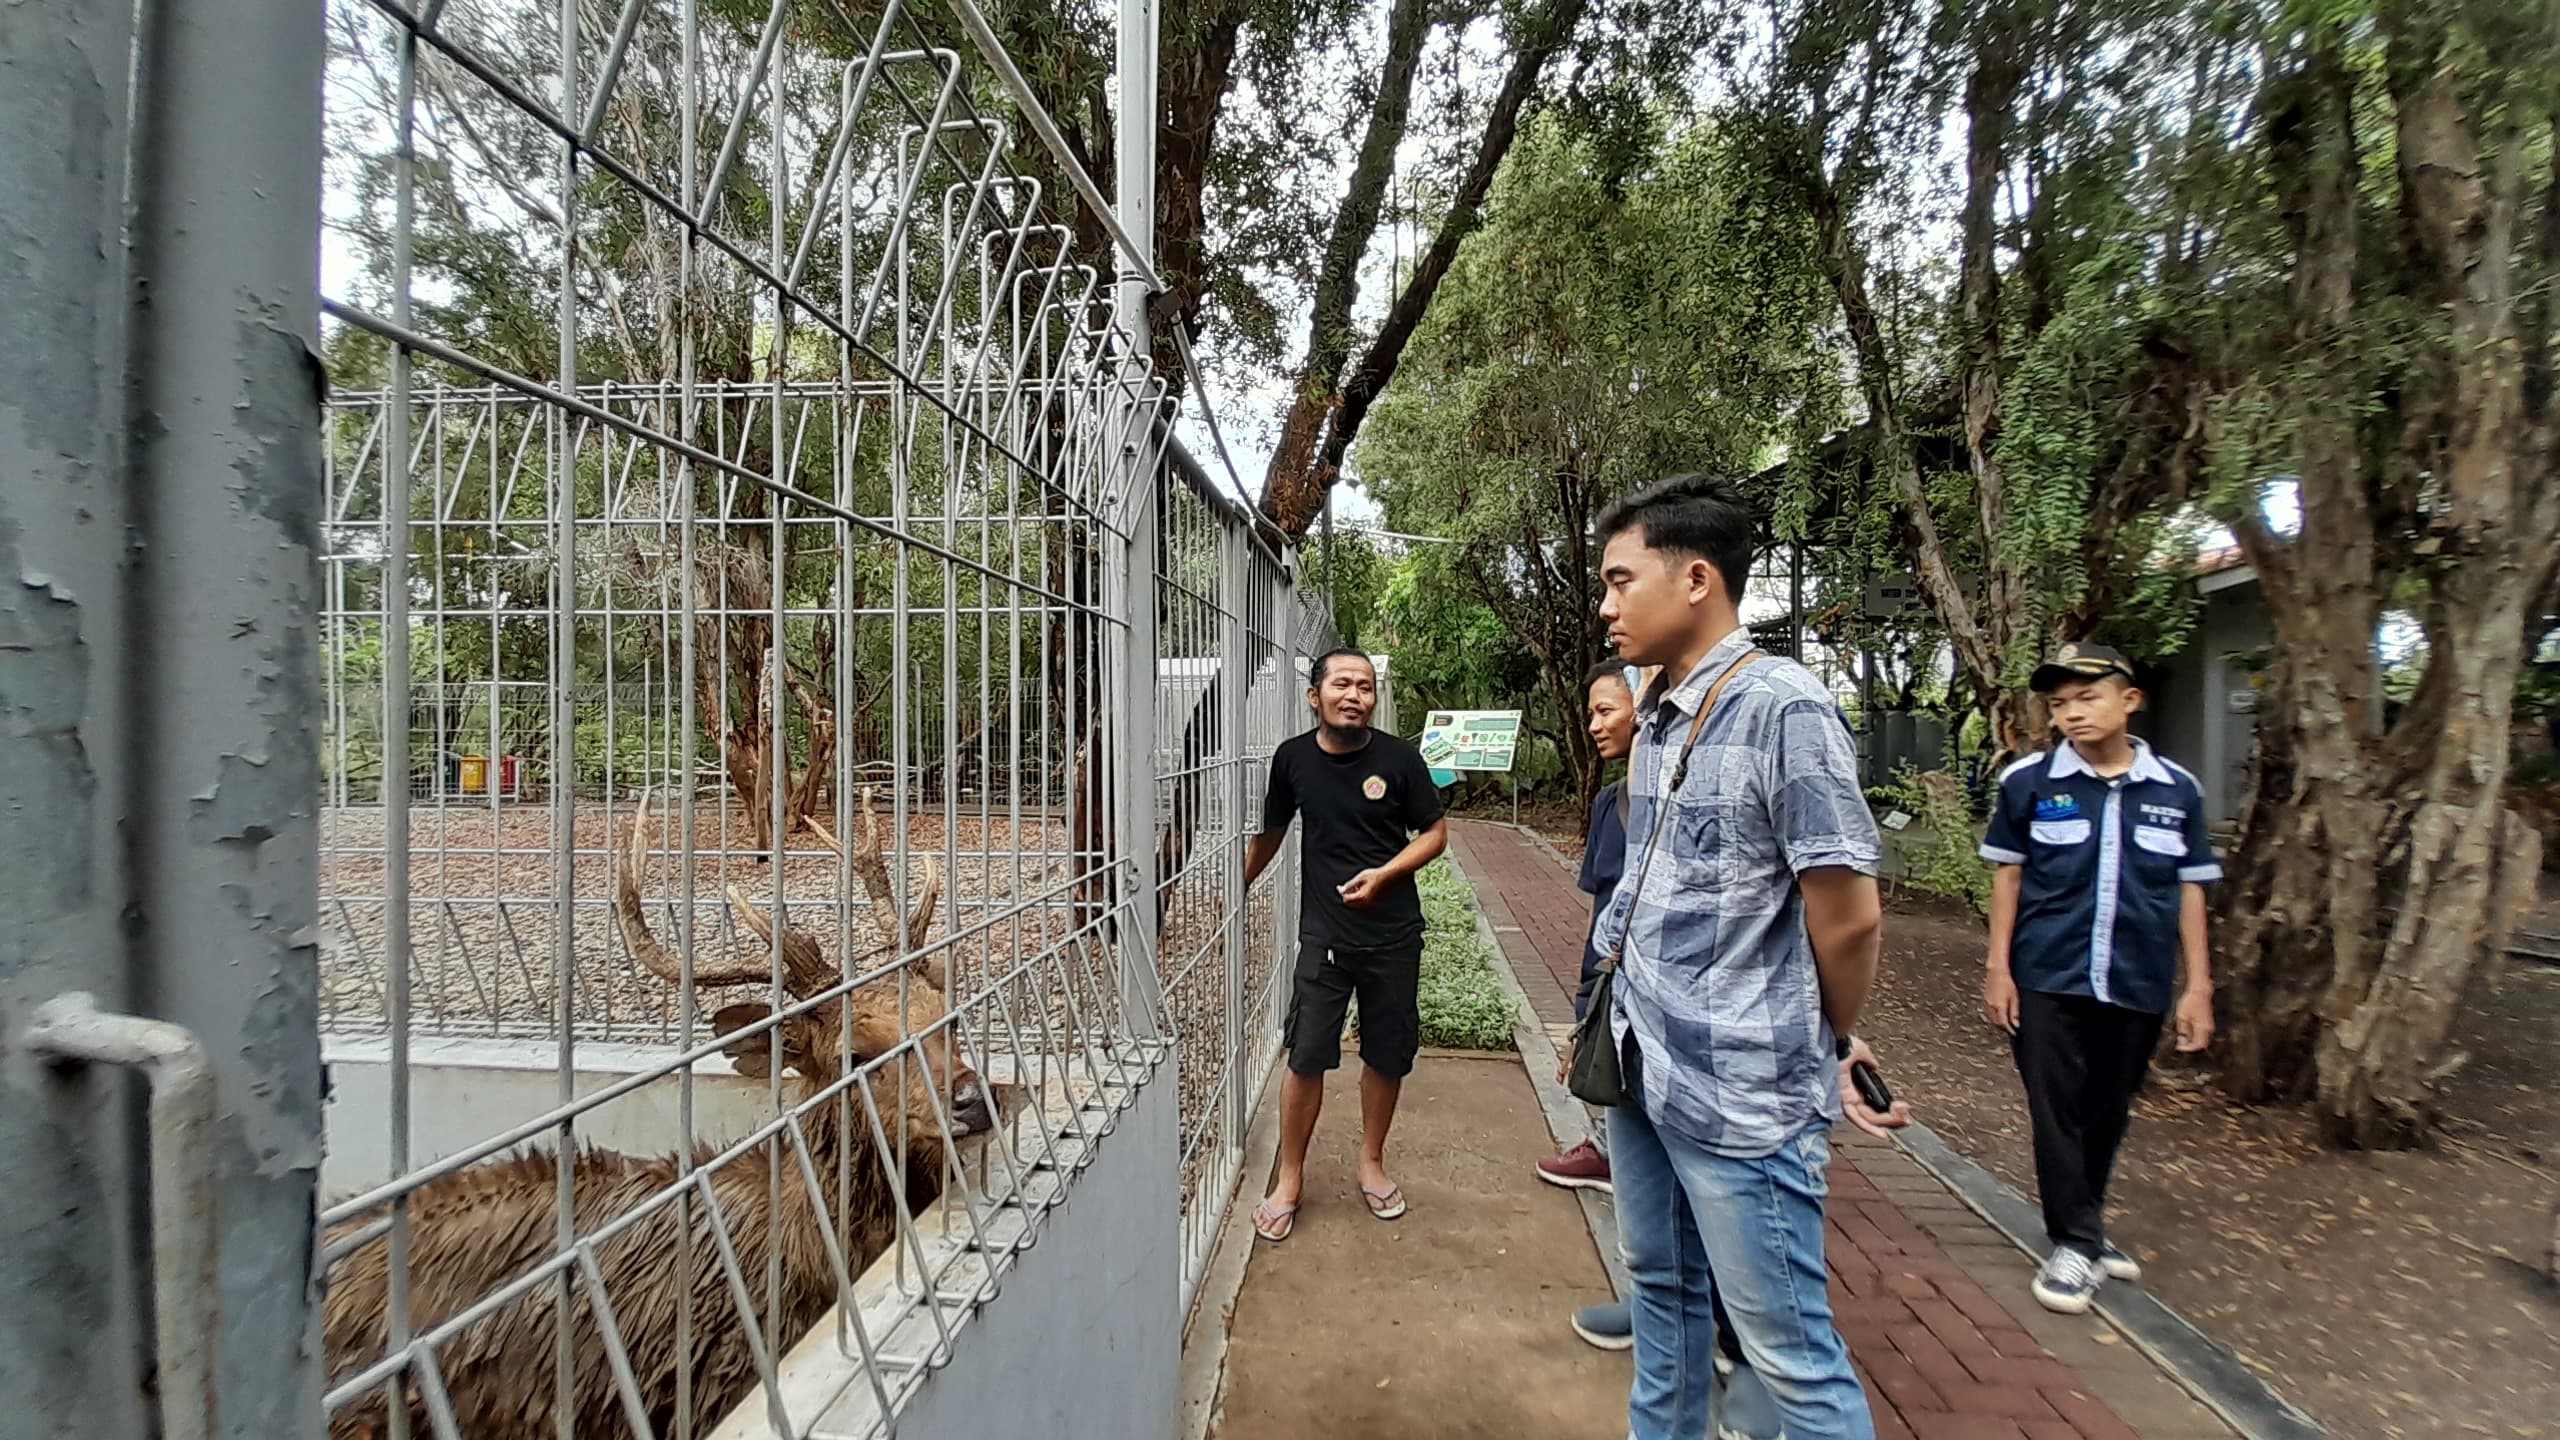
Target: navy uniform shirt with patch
2104	862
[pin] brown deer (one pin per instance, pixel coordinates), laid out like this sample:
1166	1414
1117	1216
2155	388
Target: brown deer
474	1231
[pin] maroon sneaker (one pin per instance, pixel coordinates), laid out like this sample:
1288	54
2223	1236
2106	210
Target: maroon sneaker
1581	1168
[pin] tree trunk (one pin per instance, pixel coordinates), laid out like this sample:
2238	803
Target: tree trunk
1989	95
2015	720
1199	68
732	640
2379	866
816	778
1978	651
1590	773
1355	222
1326	413
2366	895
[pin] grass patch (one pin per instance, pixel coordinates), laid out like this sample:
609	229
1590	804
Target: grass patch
1464	1007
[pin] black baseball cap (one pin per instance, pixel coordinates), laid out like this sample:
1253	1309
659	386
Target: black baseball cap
2080	661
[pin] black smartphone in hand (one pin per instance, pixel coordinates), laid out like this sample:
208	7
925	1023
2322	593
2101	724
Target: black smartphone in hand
1871	1087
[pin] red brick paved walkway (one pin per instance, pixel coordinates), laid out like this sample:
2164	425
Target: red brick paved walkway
1538	913
1945	1356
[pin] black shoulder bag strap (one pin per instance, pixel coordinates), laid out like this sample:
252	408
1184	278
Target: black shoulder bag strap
1592	1067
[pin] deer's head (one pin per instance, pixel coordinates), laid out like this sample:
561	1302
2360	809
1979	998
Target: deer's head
821	1042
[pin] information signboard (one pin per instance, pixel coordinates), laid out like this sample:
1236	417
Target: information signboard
1458	740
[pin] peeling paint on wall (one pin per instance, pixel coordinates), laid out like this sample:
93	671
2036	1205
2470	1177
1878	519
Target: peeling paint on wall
44	765
68	1242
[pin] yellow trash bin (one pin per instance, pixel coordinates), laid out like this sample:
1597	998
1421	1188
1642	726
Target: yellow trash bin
475	774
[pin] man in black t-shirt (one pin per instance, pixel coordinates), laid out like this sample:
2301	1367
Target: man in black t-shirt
1373	819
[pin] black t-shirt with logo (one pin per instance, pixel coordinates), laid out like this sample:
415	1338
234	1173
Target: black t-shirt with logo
1361	810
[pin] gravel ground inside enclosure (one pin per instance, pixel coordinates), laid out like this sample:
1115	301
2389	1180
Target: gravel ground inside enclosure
1192	960
483	888
483	900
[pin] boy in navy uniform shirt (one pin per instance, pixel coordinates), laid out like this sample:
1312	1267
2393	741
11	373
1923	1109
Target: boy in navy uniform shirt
2098	905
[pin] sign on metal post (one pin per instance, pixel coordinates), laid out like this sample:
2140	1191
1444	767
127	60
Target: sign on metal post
1460	740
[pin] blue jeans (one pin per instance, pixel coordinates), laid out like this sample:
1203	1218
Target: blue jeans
1690	1222
1747	1409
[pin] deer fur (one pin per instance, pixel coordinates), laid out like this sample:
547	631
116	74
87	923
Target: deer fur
476	1230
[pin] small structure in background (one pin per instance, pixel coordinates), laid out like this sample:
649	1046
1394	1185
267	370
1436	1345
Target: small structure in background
2203	697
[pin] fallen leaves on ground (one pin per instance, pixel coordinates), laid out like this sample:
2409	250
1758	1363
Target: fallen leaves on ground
2389	1294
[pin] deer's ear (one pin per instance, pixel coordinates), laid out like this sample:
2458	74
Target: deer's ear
934	968
752	1056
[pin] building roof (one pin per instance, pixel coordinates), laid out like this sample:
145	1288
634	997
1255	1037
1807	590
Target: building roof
2223	568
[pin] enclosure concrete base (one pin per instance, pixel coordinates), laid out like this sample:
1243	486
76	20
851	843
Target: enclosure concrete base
1086	1338
462	1091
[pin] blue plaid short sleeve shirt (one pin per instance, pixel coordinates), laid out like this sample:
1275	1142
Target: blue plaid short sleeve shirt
1716	978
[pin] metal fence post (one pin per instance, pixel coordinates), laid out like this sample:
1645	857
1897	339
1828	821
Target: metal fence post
1284	653
159	707
1237	573
70	1353
1136	741
1132	593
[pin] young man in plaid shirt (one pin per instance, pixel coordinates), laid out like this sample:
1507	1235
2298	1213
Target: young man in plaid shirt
1746	947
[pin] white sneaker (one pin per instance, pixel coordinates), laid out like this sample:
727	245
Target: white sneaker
2116	1264
1608	1326
2068	1283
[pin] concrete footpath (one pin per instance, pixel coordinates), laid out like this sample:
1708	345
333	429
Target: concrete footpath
1448	1322
1452	1321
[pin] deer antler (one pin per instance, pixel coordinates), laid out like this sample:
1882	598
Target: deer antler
805	969
874	872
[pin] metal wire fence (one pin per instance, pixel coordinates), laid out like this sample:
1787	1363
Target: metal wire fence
771	630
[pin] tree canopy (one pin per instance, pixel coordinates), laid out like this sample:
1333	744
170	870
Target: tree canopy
1598	331
2093	272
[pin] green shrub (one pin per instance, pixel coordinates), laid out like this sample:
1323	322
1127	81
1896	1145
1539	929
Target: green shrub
1464	1005
1939	849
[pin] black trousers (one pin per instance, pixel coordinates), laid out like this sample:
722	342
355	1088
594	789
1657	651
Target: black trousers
2082	1061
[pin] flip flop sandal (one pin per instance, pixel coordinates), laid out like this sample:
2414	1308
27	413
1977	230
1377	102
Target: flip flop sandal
1386	1205
1274	1223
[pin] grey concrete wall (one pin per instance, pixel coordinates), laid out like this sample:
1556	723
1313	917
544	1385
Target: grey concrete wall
2192	720
2235	621
2174	720
1085	1339
463	1091
159	493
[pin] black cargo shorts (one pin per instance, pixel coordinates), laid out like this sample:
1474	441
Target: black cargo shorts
1388	981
